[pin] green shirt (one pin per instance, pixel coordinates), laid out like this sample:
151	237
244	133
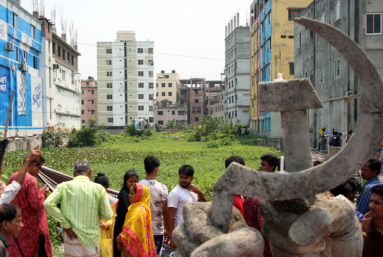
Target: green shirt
83	203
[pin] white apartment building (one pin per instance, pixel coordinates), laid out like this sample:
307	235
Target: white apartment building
125	80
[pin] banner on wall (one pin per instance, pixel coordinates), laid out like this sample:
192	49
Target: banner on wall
3	84
141	124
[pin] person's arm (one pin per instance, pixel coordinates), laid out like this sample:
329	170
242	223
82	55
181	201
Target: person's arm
171	224
20	177
105	211
165	214
34	195
195	189
51	207
113	219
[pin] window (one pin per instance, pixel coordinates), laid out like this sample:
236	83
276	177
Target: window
108	51
140	107
68	58
109	85
92	101
82	92
92	111
151	74
92	92
59	51
109	96
150	108
173	112
34	62
181	112
150	50
17	50
151	85
170	103
283	36
140	62
196	101
151	119
72	79
291	66
291	37
15	20
160	113
294	13
163	84
82	102
110	120
33	32
64	54
54	48
108	62
161	122
140	73
337	68
196	118
140	85
72	60
109	74
109	108
166	76
82	121
140	50
170	85
336	10
156	93
140	96
299	40
170	93
163	94
63	75
374	23
322	75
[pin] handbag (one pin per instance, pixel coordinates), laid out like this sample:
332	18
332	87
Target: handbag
105	244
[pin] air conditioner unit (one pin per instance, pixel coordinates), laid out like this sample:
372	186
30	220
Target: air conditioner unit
55	66
24	67
9	46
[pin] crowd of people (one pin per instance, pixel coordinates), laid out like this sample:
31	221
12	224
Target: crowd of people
144	214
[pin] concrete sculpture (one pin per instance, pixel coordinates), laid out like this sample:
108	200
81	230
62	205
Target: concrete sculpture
301	220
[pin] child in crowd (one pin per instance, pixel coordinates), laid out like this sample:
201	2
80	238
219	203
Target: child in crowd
106	226
136	238
130	178
10	225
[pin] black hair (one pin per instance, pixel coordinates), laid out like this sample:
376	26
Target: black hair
151	162
316	163
186	170
129	174
343	189
234	158
102	180
374	164
271	159
354	183
378	189
134	188
8	212
37	160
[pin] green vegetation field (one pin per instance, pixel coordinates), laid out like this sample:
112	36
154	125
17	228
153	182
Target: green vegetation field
121	154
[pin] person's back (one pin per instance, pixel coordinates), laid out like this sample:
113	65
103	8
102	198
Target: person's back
336	141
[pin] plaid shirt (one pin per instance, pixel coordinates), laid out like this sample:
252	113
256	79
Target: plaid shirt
363	201
83	203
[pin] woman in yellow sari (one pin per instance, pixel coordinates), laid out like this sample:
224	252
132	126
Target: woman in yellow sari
136	238
105	241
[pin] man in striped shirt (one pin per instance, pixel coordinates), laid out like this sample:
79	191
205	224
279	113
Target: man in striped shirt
82	203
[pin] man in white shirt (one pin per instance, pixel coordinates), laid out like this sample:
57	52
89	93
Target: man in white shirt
11	190
158	200
183	193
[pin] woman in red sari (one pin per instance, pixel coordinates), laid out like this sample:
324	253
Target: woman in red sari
34	236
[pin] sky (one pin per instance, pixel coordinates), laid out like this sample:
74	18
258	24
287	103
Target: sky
188	35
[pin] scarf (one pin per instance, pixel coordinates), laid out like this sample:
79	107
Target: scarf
137	234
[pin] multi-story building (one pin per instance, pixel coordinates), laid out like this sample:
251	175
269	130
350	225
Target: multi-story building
125	80
271	52
89	99
192	94
20	57
329	72
237	71
167	87
213	89
218	108
170	113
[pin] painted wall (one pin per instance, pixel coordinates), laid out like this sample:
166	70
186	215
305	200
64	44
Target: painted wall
173	80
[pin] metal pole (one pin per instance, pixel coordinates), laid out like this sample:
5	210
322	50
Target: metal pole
6	130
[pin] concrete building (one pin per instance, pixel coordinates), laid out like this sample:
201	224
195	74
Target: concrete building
237	71
218	108
171	113
125	80
20	65
192	95
213	88
330	74
167	87
271	52
89	100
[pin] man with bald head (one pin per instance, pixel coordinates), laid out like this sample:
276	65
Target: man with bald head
82	204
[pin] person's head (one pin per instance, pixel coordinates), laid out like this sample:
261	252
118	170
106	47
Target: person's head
35	165
234	158
186	175
316	163
139	193
151	165
130	178
343	189
102	180
2	187
82	168
355	185
350	132
339	134
10	219
376	202
371	169
269	162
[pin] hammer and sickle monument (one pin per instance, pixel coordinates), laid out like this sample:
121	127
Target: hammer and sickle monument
301	219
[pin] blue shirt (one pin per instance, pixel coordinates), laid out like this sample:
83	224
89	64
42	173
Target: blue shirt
335	141
363	201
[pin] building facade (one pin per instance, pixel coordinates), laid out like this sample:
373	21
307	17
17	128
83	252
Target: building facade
271	52
237	72
213	89
170	113
218	108
192	96
167	87
125	80
20	57
329	72
89	100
